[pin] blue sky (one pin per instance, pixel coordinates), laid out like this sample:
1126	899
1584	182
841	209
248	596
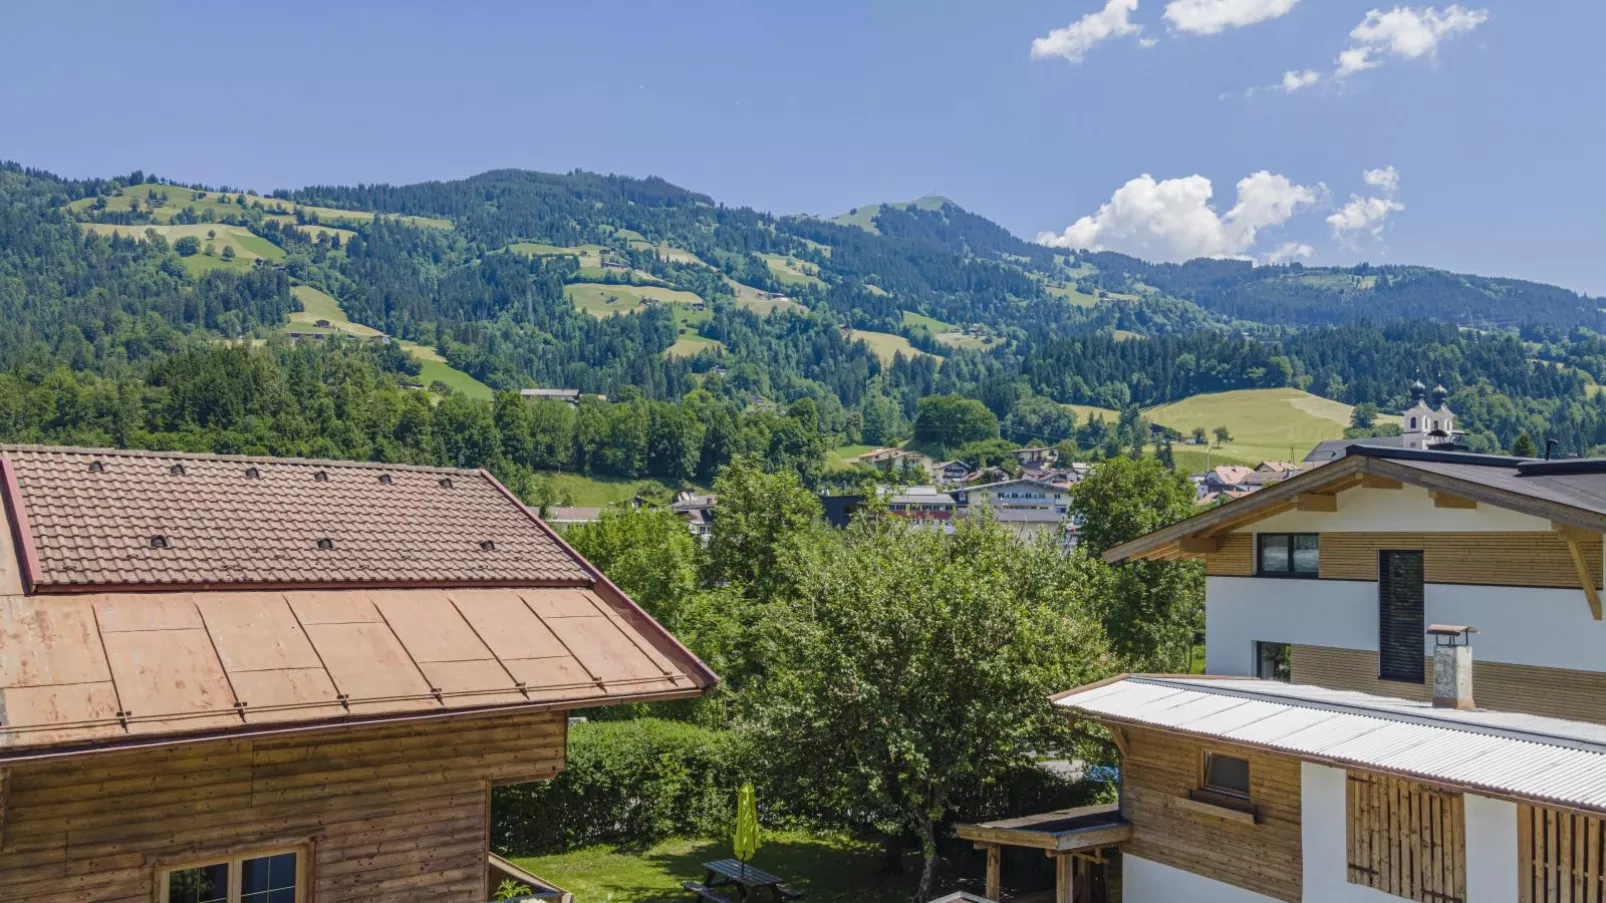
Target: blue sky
1491	127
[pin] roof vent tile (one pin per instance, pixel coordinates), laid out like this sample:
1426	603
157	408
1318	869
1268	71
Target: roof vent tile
325	544
487	545
176	470
97	467
446	482
251	473
386	479
322	476
159	542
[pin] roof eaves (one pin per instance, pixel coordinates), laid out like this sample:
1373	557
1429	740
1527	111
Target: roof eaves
635	615
16	513
1560	512
83	451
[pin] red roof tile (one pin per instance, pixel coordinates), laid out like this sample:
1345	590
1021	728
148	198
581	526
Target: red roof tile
121	519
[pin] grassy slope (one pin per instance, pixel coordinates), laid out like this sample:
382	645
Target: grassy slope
537	249
753	300
827	869
947	333
592	297
1266	424
179	198
319	306
885	344
864	217
792	272
1084	411
247	247
599	492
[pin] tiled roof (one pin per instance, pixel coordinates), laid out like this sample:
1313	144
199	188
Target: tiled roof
127	519
93	671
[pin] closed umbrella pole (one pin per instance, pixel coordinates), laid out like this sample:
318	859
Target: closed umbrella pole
746	824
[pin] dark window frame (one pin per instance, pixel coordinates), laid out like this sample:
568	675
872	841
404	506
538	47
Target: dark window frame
1291	573
1223	791
1285	666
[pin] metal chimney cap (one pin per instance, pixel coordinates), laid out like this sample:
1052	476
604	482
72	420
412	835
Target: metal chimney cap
1449	629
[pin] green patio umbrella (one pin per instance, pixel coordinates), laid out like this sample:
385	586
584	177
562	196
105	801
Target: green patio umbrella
746	823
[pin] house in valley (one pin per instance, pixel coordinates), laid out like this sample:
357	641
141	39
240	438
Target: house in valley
1404	697
256	680
1016	494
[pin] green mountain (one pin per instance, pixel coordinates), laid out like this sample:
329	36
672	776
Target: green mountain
640	289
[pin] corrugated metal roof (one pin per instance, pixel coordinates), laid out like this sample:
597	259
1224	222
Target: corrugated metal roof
1513	754
107	668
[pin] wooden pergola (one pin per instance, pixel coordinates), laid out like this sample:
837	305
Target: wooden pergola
1074	838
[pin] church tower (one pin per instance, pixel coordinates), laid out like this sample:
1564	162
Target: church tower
1426	426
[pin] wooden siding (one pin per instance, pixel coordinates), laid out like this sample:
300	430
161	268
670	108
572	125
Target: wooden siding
1556	692
1561	857
389	813
1160	770
1405	839
1235	557
1495	559
1498	559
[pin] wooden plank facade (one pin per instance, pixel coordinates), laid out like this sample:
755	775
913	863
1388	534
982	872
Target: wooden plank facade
1555	692
1405	838
1561	857
1490	559
399	812
1161	771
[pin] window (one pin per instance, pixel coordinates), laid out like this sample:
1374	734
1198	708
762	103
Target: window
268	877
1406	839
1272	662
1226	775
1289	555
1400	617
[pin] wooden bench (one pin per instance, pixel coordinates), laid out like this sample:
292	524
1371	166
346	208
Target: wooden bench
702	892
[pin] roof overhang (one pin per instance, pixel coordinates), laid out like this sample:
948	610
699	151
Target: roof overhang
1362	467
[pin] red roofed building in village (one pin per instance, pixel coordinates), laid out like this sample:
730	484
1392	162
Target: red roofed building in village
227	676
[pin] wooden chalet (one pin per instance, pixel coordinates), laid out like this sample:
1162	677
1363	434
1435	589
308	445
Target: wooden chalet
1344	745
255	680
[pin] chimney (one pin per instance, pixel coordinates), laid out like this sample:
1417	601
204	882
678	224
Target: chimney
1452	666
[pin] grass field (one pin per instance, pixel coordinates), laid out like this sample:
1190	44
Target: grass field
692	345
864	217
886	344
1266	424
826	869
314	231
600	492
668	252
180	198
791	271
602	300
1084	411
317	305
247	247
930	324
752	299
1125	335
537	249
841	457
947	333
1069	293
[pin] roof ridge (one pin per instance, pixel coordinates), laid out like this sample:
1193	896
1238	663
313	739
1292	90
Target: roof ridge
240	459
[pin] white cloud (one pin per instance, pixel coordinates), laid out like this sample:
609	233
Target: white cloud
1212	16
1405	32
1074	40
1294	81
1290	250
1173	220
1386	179
1367	215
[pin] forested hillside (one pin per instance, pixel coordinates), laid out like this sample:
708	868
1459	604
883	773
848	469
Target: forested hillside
377	321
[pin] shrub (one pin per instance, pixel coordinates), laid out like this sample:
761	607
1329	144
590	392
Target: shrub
188	246
630	783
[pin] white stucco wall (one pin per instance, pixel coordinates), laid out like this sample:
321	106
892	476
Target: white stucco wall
1145	881
1516	625
1407	510
1492	867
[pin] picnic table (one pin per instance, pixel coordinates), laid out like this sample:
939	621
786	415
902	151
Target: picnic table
749	883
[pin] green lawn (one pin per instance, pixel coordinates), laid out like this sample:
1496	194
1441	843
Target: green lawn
537	249
826	869
864	217
1083	411
1266	424
931	324
1069	293
885	344
841	457
690	345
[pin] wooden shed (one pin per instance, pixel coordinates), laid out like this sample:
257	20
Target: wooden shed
252	680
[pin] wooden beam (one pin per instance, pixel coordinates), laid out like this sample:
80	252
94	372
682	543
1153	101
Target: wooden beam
995	871
1118	734
1316	501
1064	888
1572	536
1446	500
1373	481
1199	544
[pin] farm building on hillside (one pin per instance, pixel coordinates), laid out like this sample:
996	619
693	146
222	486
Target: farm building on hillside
253	680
